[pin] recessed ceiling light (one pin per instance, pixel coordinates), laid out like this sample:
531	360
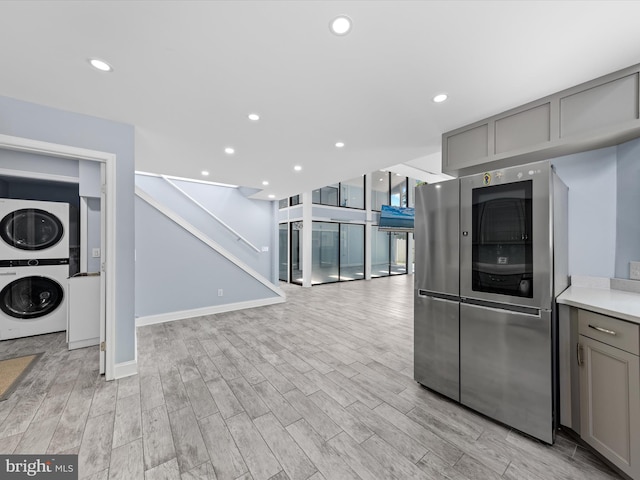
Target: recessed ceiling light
229	150
204	172
272	196
381	179
100	65
341	25
254	117
297	168
339	144
441	97
265	183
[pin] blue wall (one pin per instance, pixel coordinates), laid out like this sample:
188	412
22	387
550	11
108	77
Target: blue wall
604	201
38	122
628	196
176	272
591	178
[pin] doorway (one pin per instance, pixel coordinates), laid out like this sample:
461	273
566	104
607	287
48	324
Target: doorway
108	238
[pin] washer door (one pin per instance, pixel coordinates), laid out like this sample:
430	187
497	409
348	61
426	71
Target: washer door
31	229
31	297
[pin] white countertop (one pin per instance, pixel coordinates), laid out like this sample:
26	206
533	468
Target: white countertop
615	303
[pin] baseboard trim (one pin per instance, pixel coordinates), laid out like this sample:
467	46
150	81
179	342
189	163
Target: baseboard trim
198	312
125	369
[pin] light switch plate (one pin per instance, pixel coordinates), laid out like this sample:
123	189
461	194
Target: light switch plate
95	253
634	270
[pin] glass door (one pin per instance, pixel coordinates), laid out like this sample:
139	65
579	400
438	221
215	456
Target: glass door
502	253
506	253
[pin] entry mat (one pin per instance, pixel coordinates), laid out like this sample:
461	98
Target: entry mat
12	371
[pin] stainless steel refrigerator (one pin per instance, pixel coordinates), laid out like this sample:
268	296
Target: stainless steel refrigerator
490	259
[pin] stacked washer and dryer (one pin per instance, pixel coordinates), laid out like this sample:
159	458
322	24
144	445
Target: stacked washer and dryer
34	267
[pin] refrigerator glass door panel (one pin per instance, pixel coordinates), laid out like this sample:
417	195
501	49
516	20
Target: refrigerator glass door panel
505	243
436	237
436	348
505	367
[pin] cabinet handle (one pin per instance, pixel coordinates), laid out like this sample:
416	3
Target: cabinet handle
603	330
579	354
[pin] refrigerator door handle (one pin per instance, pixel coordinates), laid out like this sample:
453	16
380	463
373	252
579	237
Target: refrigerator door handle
438	296
532	312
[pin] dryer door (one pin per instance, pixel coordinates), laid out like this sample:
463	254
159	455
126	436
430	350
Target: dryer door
31	229
31	297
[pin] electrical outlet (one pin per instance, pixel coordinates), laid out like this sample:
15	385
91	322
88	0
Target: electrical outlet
220	292
95	253
634	270
265	249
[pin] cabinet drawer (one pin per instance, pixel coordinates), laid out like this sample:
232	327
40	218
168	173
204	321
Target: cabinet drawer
614	332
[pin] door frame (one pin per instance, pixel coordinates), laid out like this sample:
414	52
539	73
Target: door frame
8	142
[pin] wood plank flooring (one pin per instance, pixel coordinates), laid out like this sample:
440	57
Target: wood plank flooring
319	387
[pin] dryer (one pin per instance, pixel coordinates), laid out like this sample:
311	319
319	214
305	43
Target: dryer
33	298
33	229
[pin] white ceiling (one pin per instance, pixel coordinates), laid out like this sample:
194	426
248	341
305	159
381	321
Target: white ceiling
186	74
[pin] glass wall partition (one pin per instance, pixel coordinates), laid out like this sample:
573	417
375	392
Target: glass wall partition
326	195
351	251
398	253
296	253
388	253
379	253
348	194
338	252
325	252
283	252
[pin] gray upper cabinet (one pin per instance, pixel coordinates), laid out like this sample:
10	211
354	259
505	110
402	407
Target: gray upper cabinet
596	114
609	104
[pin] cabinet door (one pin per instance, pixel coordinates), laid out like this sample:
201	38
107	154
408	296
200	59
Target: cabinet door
610	403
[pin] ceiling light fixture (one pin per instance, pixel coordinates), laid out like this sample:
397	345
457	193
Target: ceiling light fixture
254	117
265	183
100	65
339	144
229	150
441	97
204	173
341	25
272	196
297	168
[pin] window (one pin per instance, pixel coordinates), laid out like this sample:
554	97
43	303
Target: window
295	200
398	191
284	203
379	190
352	193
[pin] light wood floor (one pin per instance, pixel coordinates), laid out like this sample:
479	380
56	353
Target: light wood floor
319	387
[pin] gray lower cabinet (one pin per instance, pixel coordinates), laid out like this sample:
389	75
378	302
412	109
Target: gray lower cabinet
610	389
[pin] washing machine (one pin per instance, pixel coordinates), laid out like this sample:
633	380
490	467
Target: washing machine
33	298
33	229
